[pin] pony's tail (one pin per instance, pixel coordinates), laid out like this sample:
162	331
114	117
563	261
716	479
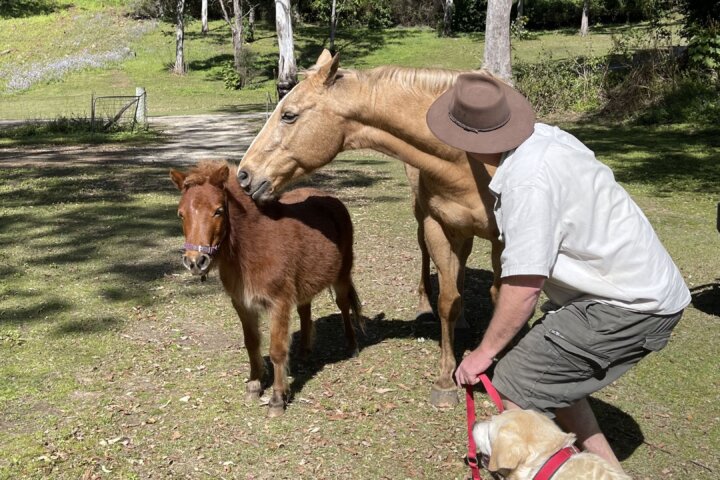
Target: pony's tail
356	307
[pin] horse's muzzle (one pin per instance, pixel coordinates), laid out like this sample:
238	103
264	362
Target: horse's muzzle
198	265
259	191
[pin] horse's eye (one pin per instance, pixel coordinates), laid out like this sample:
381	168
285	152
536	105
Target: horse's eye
180	216
289	117
219	212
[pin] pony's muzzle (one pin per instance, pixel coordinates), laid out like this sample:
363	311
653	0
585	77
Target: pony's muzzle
198	265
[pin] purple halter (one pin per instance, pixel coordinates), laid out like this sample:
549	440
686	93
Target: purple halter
209	250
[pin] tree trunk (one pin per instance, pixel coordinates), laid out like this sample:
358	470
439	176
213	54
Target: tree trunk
497	39
204	16
287	70
251	24
520	8
180	39
584	21
448	8
333	26
237	34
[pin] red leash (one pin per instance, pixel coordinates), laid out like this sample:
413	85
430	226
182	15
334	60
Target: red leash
472	460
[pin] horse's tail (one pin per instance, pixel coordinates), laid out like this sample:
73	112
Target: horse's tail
356	307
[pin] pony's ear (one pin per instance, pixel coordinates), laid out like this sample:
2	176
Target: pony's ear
178	178
219	176
326	72
509	451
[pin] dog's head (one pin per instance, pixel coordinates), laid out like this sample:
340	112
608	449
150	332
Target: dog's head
518	441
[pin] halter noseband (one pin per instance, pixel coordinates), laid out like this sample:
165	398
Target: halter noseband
207	249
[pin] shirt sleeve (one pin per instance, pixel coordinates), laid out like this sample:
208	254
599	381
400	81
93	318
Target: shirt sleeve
528	223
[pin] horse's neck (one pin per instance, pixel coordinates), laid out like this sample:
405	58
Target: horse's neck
392	120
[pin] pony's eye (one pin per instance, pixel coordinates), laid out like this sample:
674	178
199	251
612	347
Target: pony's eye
180	216
219	212
289	117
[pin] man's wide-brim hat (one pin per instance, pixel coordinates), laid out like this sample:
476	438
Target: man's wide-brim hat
481	114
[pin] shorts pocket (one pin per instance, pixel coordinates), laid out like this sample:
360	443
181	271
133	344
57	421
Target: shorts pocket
595	361
656	341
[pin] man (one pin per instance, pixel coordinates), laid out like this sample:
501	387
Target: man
571	231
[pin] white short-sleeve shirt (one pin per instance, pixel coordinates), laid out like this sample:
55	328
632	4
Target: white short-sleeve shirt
562	215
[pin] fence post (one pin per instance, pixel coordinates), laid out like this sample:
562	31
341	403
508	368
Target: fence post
141	111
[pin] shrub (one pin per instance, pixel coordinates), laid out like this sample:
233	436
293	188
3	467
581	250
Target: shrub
241	77
554	86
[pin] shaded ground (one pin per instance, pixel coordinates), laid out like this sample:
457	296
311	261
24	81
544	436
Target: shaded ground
187	139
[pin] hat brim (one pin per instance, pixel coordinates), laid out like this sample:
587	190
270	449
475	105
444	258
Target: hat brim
505	138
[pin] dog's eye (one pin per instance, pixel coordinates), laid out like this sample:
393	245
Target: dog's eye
289	117
219	212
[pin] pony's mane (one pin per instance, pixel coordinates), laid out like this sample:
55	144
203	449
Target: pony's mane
420	80
200	173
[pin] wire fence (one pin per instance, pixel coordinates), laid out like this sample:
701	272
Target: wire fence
46	108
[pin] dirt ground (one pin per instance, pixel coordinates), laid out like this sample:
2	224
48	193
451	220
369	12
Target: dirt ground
186	139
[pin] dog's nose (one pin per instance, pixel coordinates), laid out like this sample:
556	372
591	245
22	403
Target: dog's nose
244	179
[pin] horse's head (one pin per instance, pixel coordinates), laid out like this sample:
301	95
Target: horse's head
202	210
301	135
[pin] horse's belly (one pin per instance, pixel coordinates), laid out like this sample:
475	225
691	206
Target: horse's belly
467	221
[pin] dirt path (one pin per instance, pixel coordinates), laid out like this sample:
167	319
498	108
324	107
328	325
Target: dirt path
186	139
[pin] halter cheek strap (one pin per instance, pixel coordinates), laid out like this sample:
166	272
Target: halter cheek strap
207	249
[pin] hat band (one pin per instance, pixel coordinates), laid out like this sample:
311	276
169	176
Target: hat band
476	130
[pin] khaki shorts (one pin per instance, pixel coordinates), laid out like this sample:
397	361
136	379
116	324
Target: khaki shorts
577	350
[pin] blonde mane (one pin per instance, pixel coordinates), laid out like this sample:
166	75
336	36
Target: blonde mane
432	81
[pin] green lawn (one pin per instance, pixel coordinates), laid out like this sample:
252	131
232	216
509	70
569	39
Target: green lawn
114	362
84	28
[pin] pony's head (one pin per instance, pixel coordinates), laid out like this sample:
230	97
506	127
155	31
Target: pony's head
202	210
296	139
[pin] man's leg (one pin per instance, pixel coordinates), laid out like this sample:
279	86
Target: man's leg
579	419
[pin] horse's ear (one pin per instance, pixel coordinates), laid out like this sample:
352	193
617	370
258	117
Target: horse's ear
178	178
327	71
324	57
219	176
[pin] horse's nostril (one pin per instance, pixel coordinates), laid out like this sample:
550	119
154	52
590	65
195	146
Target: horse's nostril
243	178
187	263
203	262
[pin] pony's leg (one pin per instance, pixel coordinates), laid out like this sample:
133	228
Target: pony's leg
279	347
307	330
344	302
424	287
449	256
251	331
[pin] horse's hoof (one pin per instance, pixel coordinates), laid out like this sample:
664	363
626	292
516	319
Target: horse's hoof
443	398
352	352
252	397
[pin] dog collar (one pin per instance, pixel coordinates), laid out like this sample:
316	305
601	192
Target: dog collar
553	464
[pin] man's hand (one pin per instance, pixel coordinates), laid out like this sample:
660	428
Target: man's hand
476	363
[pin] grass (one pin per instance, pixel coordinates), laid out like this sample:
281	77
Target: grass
85	28
115	363
64	131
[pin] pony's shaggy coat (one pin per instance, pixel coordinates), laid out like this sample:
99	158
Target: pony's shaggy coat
273	258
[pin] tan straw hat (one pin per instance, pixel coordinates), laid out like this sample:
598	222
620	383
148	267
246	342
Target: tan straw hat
480	114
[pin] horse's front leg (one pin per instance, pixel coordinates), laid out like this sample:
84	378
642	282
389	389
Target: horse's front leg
424	287
279	348
251	330
449	256
307	330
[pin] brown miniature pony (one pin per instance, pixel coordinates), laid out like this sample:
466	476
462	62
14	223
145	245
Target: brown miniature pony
384	109
270	258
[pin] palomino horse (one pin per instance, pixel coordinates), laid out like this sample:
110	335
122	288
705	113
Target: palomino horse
384	109
272	257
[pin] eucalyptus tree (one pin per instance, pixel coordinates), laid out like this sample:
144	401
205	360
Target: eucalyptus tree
497	39
287	68
179	67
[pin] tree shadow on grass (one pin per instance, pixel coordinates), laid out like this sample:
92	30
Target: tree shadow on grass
663	159
29	8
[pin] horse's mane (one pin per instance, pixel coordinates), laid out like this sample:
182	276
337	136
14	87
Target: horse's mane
200	173
432	81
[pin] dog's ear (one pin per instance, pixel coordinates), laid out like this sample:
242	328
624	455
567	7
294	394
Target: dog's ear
509	451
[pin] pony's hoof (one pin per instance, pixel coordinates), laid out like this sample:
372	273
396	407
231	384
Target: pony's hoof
253	389
275	410
352	352
443	398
